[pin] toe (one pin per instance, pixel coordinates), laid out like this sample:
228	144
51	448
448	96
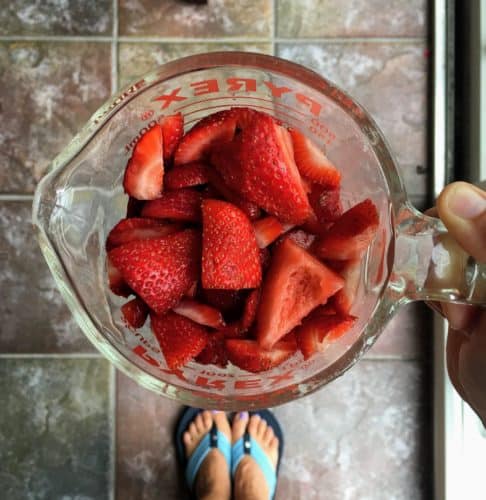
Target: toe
268	436
198	421
222	423
192	429
253	425
274	444
186	438
262	427
207	420
240	423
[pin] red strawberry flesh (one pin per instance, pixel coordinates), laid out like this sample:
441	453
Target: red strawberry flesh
181	205
267	230
144	175
294	285
192	174
200	313
172	131
135	313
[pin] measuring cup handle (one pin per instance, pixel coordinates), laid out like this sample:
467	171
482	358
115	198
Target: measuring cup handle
430	265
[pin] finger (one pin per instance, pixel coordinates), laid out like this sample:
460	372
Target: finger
432	212
460	317
462	208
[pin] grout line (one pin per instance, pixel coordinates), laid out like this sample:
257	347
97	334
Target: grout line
273	26
16	197
112	421
390	357
114	49
79	355
209	41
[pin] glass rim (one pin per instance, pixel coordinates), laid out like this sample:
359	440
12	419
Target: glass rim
102	116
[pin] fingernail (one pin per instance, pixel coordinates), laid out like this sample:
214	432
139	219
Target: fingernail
243	415
466	203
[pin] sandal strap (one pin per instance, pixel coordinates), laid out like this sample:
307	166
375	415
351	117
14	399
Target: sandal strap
246	445
213	439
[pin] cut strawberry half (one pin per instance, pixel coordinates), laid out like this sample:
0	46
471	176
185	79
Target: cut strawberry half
326	203
136	228
200	313
215	351
144	175
301	238
344	299
234	331
198	142
192	174
294	285
267	230
249	356
192	290
183	204
350	235
258	164
312	162
172	132
230	254
115	280
265	258
135	313
229	302
251	307
180	339
316	333
160	270
250	209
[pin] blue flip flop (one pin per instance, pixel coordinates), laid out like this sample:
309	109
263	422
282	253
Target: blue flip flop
214	439
246	445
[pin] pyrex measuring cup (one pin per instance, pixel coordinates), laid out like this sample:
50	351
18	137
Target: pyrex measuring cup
80	200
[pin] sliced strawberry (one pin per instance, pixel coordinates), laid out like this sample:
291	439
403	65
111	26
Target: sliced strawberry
160	270
325	310
115	280
326	203
135	313
234	331
250	209
316	333
350	235
251	307
301	238
134	207
183	204
267	230
249	356
180	339
137	228
230	254
172	132
199	313
144	175
265	258
215	351
192	174
192	290
345	298
211	130
259	165
312	162
294	285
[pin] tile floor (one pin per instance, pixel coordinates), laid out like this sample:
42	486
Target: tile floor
72	428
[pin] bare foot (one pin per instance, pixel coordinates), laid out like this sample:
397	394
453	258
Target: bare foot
249	481
213	479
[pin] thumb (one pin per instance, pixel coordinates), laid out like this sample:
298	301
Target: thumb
462	209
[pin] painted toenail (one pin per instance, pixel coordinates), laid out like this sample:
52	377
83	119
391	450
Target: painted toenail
243	415
214	411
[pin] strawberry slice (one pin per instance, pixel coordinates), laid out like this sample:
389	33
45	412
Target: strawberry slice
259	165
230	254
294	285
265	258
180	339
160	270
234	330
144	175
251	307
192	290
317	332
135	313
250	209
191	174
229	302
211	130
350	235
345	298
312	162
172	132
326	203
136	228
200	313
267	230
115	280
183	204
301	238
215	351
249	356
134	207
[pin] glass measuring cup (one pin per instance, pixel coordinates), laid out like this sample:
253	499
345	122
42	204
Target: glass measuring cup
81	199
